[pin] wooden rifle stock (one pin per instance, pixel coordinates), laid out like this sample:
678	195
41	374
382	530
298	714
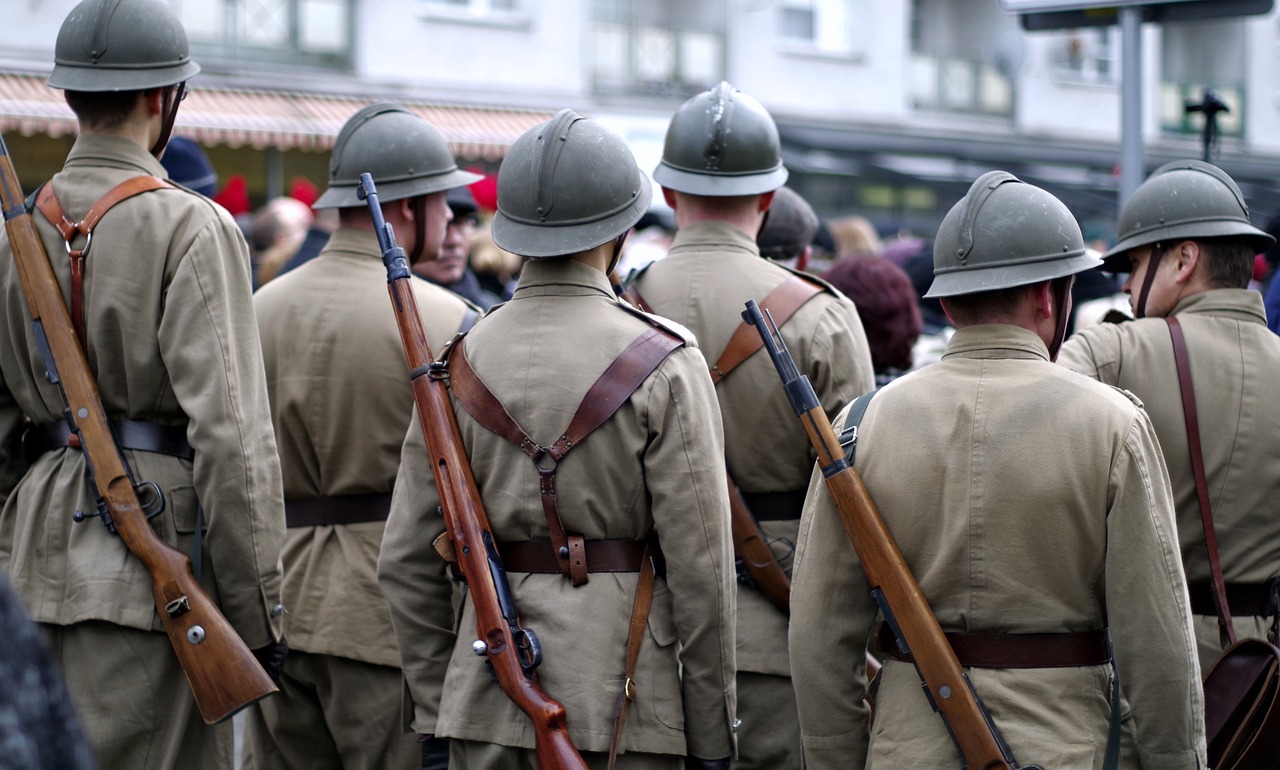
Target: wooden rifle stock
893	585
223	674
512	650
753	549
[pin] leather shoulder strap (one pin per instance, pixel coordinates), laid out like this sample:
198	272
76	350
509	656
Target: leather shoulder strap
1226	628
781	303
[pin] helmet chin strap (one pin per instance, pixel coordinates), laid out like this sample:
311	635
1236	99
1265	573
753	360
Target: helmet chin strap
419	228
617	252
1061	288
173	96
1153	264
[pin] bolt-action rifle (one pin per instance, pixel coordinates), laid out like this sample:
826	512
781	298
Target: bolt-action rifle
513	651
223	674
893	587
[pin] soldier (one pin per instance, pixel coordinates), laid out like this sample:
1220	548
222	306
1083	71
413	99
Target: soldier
1188	246
163	308
1026	500
452	268
568	192
720	167
340	401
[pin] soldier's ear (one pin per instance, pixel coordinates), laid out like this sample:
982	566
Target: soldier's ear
1187	255
766	200
670	197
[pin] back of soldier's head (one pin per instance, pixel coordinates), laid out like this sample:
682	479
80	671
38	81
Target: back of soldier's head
721	143
565	187
405	154
1004	234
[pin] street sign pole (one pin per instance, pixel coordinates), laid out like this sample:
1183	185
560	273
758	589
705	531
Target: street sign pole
1132	163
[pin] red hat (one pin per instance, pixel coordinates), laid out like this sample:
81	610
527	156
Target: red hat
303	190
235	196
485	191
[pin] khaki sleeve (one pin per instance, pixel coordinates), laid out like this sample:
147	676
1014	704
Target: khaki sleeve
413	577
1093	353
1147	608
840	366
209	341
684	463
831	617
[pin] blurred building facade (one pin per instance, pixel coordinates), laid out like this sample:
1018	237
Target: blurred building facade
888	108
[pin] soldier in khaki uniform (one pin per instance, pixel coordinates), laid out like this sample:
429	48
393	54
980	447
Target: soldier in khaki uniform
340	401
170	336
568	192
719	170
1026	499
1188	246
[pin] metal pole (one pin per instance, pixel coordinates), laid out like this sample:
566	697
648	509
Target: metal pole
1132	164
275	173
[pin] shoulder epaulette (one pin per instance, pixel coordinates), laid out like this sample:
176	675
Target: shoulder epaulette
811	278
657	321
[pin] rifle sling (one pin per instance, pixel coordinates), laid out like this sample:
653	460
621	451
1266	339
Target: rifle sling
1226	629
52	209
609	392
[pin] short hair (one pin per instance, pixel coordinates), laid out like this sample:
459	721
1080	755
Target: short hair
887	305
984	307
789	228
102	110
1228	262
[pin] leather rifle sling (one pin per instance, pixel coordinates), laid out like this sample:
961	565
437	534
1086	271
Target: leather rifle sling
631	368
1226	629
48	204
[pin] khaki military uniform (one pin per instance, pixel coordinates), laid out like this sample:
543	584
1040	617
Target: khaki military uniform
1235	365
1025	499
171	340
704	283
655	465
340	399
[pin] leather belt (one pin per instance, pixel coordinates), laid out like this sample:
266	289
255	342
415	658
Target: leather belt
1258	599
336	510
132	434
775	506
602	556
1065	650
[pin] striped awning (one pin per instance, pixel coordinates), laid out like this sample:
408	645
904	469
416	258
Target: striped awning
272	118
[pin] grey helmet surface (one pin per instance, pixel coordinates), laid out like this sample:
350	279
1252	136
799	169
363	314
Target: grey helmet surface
121	45
1184	200
406	155
721	143
567	186
1005	233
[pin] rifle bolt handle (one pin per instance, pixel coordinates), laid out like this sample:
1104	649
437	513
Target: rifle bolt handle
479	648
195	634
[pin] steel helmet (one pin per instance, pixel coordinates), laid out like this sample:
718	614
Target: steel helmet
121	45
406	155
721	143
1185	199
567	185
1005	233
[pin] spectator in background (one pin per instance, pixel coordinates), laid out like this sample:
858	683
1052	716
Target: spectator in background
855	236
649	241
189	166
278	230
496	269
788	230
451	269
889	308
1273	288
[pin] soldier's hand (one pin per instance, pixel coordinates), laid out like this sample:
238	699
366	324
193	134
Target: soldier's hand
271	658
435	752
693	763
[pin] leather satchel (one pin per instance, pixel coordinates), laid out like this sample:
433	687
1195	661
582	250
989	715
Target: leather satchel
1242	688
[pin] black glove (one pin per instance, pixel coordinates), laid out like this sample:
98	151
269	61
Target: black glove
435	752
693	763
272	657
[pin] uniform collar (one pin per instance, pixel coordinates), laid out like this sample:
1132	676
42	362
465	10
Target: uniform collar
115	152
541	277
996	341
720	236
355	242
1241	304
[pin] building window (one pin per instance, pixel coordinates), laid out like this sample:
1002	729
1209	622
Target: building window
657	47
1087	56
1203	55
951	66
311	32
819	26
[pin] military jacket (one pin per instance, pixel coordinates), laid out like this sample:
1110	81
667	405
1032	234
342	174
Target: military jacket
171	340
340	401
704	282
1025	499
654	465
1235	368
